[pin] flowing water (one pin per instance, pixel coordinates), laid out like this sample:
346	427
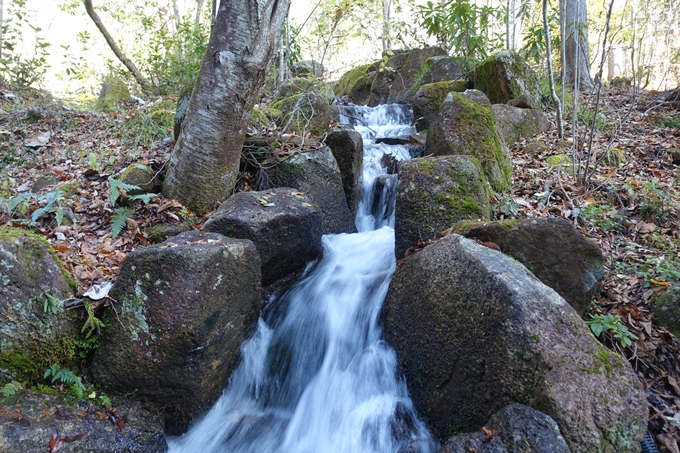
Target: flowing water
316	377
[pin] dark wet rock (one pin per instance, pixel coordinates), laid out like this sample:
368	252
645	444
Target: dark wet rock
465	125
475	331
444	67
514	123
506	76
399	79
317	175
473	442
36	330
524	429
305	112
307	68
428	100
142	176
348	149
29	419
164	231
282	223
384	196
185	305
667	309
433	194
556	252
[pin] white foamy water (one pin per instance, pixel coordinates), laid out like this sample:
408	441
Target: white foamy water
316	377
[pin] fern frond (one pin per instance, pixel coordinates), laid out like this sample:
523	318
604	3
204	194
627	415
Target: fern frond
115	186
145	197
119	220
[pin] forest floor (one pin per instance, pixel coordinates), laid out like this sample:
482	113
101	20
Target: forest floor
630	205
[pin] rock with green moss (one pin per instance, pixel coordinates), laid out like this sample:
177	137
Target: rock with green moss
163	231
513	123
667	309
142	176
506	76
475	331
428	100
35	329
307	68
356	83
183	309
446	68
300	85
40	415
114	89
398	78
556	252
309	112
435	193
465	125
316	173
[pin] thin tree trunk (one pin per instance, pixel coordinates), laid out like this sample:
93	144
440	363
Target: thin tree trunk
178	16
204	164
551	82
112	44
200	5
578	59
387	10
1	11
508	14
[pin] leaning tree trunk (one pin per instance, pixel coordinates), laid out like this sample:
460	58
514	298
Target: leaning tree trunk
203	167
577	62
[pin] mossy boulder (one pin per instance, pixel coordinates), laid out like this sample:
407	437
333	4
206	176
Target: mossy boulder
36	330
300	85
513	123
307	68
163	231
506	76
667	309
142	176
433	194
446	68
307	112
475	331
114	89
356	83
428	100
465	125
182	310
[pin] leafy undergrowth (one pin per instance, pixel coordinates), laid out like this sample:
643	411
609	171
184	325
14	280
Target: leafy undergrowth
631	207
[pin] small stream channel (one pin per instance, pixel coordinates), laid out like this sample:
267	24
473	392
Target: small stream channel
316	377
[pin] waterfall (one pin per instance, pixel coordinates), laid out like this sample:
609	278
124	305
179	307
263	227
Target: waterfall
316	377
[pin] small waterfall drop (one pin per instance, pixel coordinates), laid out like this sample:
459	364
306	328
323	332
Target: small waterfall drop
316	377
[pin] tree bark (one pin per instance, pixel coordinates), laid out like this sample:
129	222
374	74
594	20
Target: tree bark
204	164
577	63
112	44
1	11
200	5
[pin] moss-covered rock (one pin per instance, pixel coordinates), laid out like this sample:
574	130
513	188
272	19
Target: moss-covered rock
513	123
307	112
142	176
506	76
114	89
446	68
307	68
433	194
466	126
429	98
300	85
36	330
667	309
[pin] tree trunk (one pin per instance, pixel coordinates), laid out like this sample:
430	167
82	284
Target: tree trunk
204	164
112	44
387	11
1	11
577	61
200	5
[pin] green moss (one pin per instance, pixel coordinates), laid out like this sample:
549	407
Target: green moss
505	76
69	188
558	159
350	79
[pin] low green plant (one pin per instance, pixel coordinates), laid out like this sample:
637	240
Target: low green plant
604	217
10	389
612	325
21	204
51	304
92	323
656	270
507	207
66	377
673	121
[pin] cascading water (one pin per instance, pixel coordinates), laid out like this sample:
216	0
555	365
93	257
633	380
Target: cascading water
316	376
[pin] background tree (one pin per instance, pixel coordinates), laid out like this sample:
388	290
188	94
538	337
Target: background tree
204	164
577	59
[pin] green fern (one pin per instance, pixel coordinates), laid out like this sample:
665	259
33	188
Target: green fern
51	304
119	220
10	389
145	197
92	323
64	376
115	186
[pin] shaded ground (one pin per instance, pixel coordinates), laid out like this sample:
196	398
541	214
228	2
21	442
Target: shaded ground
630	205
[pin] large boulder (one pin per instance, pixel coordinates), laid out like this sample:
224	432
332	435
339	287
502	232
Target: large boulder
114	90
142	176
667	309
556	252
282	223
435	193
183	308
307	68
446	68
475	331
299	85
429	98
35	329
308	112
478	442
348	149
29	420
514	123
356	83
316	174
506	76
398	79
465	126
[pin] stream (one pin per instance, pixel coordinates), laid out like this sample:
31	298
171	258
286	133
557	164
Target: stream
316	376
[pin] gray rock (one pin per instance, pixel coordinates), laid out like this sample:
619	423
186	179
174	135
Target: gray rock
164	231
428	100
142	176
299	85
465	126
35	331
317	175
307	68
525	429
185	305
667	309
43	181
513	123
114	89
435	193
473	442
282	223
444	67
475	331
29	419
305	112
356	83
348	149
556	252
506	76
